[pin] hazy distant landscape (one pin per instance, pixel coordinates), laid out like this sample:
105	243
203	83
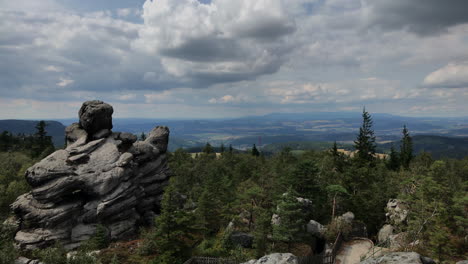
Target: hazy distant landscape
443	137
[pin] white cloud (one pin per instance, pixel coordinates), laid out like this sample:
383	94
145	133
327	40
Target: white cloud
226	99
65	82
52	68
453	75
221	41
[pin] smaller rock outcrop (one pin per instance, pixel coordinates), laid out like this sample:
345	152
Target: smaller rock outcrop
384	234
315	228
23	260
397	212
399	258
275	258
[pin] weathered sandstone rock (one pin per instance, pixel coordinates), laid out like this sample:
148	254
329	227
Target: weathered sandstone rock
101	178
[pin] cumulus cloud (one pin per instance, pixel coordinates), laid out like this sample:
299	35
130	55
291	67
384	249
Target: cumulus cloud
220	41
424	17
239	56
453	75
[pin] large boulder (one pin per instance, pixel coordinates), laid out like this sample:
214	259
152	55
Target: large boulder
396	258
108	180
315	228
462	262
275	258
397	212
95	116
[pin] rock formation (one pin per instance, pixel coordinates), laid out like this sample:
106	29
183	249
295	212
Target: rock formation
101	178
275	258
399	258
391	234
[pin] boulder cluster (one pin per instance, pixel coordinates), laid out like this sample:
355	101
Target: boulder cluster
391	234
101	178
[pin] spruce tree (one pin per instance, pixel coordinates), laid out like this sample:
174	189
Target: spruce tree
365	142
334	150
173	229
42	141
406	150
255	151
142	136
292	220
394	159
208	149
230	149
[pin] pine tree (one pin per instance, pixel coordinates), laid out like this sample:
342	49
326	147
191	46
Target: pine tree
230	148
365	142
304	179
406	150
394	159
42	141
255	151
292	220
338	158
142	136
334	150
173	229
208	149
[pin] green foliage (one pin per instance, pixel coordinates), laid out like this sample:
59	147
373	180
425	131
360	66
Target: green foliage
255	151
99	240
142	136
262	230
208	149
406	149
172	234
365	142
394	160
82	257
8	253
53	255
291	226
12	180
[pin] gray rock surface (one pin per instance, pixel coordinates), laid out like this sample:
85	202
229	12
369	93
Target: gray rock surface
384	234
275	258
427	260
397	212
23	260
462	262
396	258
95	116
315	228
112	181
348	217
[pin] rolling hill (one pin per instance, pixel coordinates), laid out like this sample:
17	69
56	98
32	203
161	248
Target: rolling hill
28	127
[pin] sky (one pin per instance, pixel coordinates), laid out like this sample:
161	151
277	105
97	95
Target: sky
224	58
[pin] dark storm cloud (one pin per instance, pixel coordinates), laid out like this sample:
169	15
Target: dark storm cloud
423	17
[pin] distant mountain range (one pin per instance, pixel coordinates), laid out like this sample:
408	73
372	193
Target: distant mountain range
28	127
275	128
